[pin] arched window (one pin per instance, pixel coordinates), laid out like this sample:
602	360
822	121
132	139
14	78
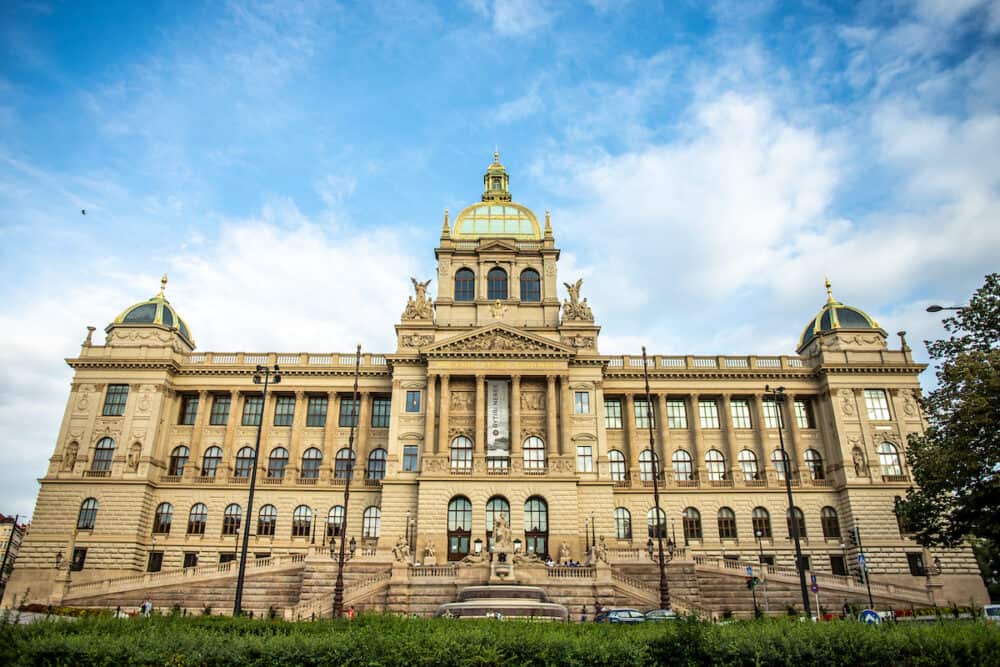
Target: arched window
888	458
780	463
682	466
343	464
748	465
715	465
301	521
88	514
727	524
197	518
277	462
534	453
623	524
312	459
617	462
831	524
461	453
210	462
465	285
371	522
163	517
495	506
376	464
800	522
178	459
536	527
459	527
692	524
231	519
814	462
646	460
531	286
761	519
267	519
103	455
335	521
496	284
244	462
653	527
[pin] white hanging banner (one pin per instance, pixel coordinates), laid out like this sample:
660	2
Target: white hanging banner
497	418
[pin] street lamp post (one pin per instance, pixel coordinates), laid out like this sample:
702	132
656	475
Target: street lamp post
937	309
660	529
262	375
760	544
338	588
593	531
778	395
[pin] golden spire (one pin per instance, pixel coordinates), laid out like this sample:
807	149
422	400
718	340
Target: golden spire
445	230
548	224
163	284
496	154
829	292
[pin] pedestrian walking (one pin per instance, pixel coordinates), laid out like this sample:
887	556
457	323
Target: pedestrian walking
583	614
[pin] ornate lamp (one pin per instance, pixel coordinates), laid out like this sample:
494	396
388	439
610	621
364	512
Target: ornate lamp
517	545
353	546
477	546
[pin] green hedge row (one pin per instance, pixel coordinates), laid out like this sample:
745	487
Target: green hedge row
385	640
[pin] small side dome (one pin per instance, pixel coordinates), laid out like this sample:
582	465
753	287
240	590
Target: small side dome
835	315
156	311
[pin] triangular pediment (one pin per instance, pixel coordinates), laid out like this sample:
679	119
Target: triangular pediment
497	244
499	339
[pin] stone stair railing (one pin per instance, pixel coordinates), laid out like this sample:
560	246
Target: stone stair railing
636	588
185	575
570	572
323	605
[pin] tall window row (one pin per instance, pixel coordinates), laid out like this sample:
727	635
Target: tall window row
284	409
692	529
708	413
460	525
716	466
277	462
232	517
496	285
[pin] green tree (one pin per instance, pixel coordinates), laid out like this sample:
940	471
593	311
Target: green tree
956	462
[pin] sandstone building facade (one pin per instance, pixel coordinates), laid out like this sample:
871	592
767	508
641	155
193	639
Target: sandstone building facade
496	400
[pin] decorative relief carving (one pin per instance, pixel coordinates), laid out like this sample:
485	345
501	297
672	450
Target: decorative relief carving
579	342
69	457
532	400
133	456
497	341
858	458
83	402
144	403
533	425
550	269
416	340
910	406
498	309
136	336
462	401
574	308
419	307
847	402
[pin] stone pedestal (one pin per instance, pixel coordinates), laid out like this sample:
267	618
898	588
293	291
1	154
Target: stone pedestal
502	573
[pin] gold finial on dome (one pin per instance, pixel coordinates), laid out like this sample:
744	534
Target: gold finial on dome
496	155
163	284
829	291
496	182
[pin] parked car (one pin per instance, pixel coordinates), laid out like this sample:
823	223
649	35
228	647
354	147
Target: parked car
991	613
660	615
620	615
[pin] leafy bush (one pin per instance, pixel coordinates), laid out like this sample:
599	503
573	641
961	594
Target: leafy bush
391	640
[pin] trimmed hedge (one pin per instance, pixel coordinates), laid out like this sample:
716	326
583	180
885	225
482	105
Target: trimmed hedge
387	640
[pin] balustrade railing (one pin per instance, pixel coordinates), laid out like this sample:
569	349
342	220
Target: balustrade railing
570	572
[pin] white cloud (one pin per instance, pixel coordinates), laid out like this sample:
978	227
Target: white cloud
513	18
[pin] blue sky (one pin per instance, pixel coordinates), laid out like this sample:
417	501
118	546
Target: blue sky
287	164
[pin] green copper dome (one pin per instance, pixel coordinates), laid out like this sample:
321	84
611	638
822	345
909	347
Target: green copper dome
835	315
156	310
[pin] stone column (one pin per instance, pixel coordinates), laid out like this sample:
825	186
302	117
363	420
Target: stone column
442	445
479	442
731	444
761	443
330	429
364	425
232	423
661	426
551	434
199	426
868	444
515	416
792	429
298	425
633	448
697	438
429	415
566	417
601	451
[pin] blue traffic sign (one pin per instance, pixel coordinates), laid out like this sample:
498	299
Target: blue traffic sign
749	571
813	586
870	617
861	559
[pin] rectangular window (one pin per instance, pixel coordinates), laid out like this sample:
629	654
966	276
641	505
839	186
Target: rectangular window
612	413
676	413
644	417
284	410
155	562
413	401
916	563
807	563
708	414
220	411
584	458
79	558
772	413
741	413
582	403
410	458
189	409
804	413
348	412
381	407
316	411
253	408
878	406
838	566
114	400
226	558
190	559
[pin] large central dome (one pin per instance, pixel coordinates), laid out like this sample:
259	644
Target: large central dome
497	215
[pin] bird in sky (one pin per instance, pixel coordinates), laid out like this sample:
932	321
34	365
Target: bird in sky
83	211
